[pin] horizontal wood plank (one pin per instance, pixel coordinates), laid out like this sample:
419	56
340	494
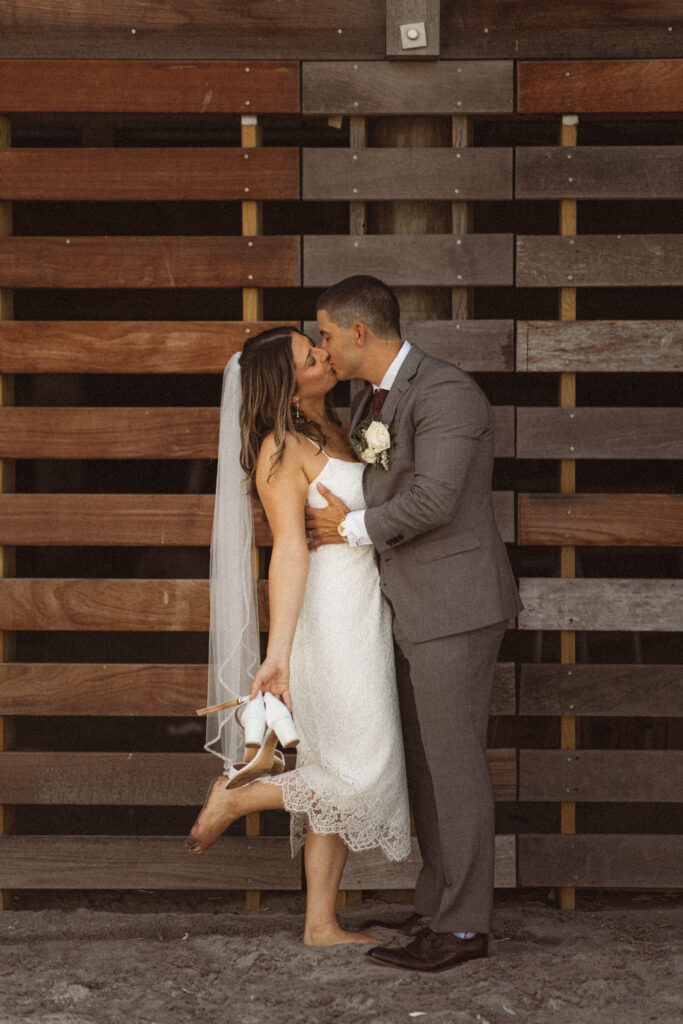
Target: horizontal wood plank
146	780
387	174
199	30
114	604
599	261
411	87
633	520
146	862
583	29
370	869
113	174
142	346
609	433
148	690
602	776
600	86
214	30
145	262
102	690
143	520
599	172
428	260
51	432
87	520
48	432
601	861
142	86
478	346
602	604
600	346
602	690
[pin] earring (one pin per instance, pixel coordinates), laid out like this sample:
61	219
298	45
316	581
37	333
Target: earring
297	412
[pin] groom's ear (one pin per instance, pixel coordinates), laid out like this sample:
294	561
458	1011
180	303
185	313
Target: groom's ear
359	333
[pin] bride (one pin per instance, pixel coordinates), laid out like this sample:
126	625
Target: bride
330	649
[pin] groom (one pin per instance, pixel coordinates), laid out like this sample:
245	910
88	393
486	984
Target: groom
445	571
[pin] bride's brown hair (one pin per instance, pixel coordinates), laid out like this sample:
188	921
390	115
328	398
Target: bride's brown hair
268	388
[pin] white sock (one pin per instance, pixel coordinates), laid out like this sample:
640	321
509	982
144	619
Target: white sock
464	935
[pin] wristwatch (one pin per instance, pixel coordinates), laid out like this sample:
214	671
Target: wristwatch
341	529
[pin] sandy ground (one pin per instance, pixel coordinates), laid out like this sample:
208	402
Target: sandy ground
153	958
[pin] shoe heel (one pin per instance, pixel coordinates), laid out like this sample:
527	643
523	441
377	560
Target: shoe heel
252	717
285	730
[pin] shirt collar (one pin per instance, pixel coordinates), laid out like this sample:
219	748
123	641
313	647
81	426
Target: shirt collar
391	374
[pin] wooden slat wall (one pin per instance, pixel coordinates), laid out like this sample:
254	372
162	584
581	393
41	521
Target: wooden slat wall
322	68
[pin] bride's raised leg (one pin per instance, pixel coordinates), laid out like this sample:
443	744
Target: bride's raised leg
324	859
223	806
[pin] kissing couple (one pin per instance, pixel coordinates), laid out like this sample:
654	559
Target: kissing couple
390	590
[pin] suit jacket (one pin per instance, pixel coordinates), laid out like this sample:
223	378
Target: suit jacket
443	565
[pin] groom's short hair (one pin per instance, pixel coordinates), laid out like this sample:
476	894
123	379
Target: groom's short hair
366	299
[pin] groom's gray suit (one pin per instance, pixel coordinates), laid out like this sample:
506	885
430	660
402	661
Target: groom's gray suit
445	570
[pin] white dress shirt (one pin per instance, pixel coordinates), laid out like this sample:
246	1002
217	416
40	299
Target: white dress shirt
356	534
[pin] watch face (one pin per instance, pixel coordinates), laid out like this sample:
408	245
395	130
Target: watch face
341	529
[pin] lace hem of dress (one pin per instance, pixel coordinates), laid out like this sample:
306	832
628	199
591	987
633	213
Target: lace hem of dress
359	829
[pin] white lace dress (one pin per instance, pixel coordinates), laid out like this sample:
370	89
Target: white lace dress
350	774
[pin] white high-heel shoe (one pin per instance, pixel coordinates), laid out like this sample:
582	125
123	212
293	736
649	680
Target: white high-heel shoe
279	719
251	716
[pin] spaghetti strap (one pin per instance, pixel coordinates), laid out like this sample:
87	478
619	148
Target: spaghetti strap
316	445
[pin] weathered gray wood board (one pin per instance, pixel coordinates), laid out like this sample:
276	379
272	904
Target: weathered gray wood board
609	433
147	780
600	346
604	776
599	172
602	604
632	520
600	86
323	30
371	870
146	862
385	174
208	173
376	87
44	688
601	690
478	346
601	861
103	346
145	262
141	86
599	261
427	260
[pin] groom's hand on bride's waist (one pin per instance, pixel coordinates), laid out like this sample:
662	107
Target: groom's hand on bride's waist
322	524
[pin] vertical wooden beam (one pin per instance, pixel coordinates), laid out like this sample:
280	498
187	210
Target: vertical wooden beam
461	219
252	309
567	397
6	485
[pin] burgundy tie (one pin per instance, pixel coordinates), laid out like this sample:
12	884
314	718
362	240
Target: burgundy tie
378	401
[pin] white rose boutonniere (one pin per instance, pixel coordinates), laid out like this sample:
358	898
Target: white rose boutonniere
374	441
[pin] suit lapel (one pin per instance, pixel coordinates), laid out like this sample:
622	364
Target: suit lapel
402	383
361	407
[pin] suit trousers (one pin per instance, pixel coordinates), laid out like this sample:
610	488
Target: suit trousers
444	687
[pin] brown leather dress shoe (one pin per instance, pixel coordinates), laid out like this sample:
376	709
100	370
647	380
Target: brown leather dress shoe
432	951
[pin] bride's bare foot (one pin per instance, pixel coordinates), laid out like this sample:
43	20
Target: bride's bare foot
217	814
333	935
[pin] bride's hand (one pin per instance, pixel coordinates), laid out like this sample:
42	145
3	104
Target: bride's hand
273	677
